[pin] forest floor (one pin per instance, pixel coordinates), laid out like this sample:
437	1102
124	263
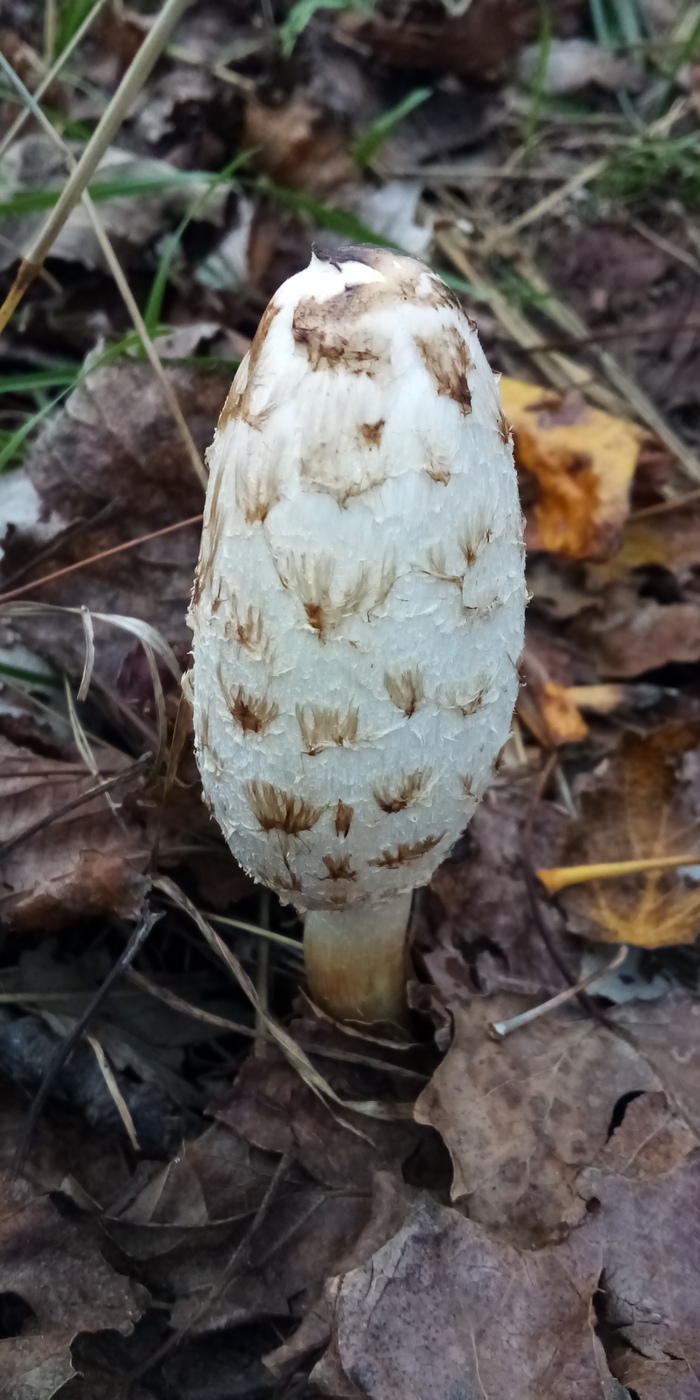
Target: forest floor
207	1190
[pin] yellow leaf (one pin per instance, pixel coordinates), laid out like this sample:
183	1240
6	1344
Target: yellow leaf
551	714
619	871
583	461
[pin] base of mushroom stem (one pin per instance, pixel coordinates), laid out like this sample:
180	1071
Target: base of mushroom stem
357	960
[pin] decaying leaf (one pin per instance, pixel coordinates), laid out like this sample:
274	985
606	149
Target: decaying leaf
83	864
108	467
648	1192
635	808
56	1283
445	1310
476	932
521	1117
582	461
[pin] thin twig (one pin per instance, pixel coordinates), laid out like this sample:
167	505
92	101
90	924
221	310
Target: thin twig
67	1046
500	1029
97	558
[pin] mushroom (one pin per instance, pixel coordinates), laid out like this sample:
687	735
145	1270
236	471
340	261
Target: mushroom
358	608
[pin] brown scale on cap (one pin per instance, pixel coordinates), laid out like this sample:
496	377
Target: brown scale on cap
436	568
323	476
256	492
343	818
371	433
504	428
438	472
409	791
447	360
406	852
339	868
472	540
405	690
276	810
323	729
253	713
248	631
312	579
237	404
338	333
329	333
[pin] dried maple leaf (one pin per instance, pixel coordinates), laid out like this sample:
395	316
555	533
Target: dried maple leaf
582	460
636	809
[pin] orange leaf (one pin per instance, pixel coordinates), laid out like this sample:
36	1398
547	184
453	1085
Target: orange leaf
582	460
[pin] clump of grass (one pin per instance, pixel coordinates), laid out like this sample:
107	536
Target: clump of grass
653	169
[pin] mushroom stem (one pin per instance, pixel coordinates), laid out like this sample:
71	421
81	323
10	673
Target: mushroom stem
356	960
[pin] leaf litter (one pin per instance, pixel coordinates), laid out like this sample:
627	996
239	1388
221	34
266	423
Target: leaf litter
302	1209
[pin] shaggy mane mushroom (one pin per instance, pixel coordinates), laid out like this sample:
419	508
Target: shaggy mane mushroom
358	608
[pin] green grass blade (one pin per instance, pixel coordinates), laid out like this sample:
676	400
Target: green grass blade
366	148
34	201
72	15
324	215
154	306
303	12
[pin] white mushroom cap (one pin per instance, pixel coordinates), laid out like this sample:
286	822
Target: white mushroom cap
358	607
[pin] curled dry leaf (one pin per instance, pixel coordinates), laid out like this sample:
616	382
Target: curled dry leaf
582	461
634	808
84	864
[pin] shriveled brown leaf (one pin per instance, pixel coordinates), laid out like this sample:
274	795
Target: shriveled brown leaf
63	1285
477	41
638	635
445	1310
189	1217
522	1116
635	808
84	864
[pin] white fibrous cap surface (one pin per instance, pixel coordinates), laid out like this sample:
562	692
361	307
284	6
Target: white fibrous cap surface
359	600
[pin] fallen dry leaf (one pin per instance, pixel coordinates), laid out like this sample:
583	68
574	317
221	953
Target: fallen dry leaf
84	864
474	931
110	466
445	1310
582	461
299	144
634	808
275	1111
59	1285
651	1231
521	1117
